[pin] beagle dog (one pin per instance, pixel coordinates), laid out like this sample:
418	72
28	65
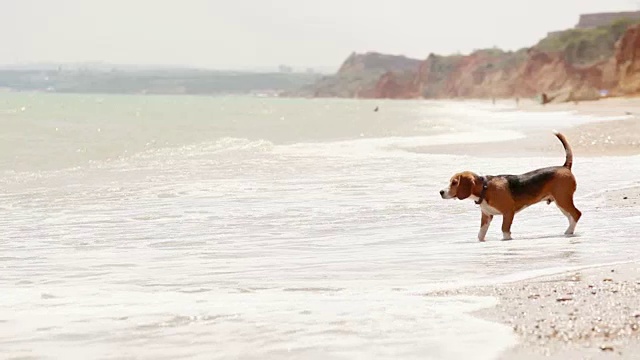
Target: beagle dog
508	194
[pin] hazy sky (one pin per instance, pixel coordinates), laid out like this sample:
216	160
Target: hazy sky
251	33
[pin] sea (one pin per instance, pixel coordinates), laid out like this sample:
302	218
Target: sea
197	227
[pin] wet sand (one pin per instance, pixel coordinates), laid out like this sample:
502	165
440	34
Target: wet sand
588	314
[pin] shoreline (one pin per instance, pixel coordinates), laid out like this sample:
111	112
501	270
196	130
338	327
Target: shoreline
590	313
602	137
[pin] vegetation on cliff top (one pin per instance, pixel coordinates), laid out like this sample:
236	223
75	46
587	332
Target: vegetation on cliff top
586	46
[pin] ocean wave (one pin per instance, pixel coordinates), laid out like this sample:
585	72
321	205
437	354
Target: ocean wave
226	144
393	146
150	158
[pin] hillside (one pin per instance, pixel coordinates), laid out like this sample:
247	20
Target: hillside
575	64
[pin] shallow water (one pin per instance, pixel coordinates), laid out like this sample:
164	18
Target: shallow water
195	227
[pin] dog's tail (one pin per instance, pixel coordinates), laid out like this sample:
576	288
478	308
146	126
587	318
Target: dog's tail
567	148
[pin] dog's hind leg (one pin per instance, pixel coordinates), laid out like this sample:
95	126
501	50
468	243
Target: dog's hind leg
565	204
507	219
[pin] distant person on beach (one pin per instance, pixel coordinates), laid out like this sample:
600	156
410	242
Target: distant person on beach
544	99
376	109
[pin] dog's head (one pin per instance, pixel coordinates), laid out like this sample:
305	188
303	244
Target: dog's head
460	186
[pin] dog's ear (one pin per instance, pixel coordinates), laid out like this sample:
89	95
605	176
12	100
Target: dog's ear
465	185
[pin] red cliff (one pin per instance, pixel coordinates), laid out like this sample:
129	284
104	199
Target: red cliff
393	86
622	72
485	74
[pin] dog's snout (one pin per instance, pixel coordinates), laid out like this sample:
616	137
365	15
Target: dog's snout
441	192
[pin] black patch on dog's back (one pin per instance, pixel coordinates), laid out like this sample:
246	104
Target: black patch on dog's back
530	183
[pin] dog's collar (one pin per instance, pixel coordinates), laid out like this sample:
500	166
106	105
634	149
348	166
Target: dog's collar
485	184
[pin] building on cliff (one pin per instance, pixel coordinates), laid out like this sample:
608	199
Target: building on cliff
589	21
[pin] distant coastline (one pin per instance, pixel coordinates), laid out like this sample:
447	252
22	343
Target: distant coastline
150	80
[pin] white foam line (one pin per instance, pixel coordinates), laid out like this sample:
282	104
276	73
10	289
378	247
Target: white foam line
534	274
520	276
604	191
383	145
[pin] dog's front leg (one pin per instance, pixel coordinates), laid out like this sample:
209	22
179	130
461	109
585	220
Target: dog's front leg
507	219
485	221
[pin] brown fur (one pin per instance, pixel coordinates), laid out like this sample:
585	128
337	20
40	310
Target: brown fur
507	194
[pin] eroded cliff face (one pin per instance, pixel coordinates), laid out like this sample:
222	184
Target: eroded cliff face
622	72
479	75
393	85
482	74
552	74
486	74
495	74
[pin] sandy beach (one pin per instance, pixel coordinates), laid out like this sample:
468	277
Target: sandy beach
607	138
591	313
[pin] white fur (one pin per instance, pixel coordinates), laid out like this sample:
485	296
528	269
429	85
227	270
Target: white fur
483	231
486	208
506	236
572	226
572	223
447	193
